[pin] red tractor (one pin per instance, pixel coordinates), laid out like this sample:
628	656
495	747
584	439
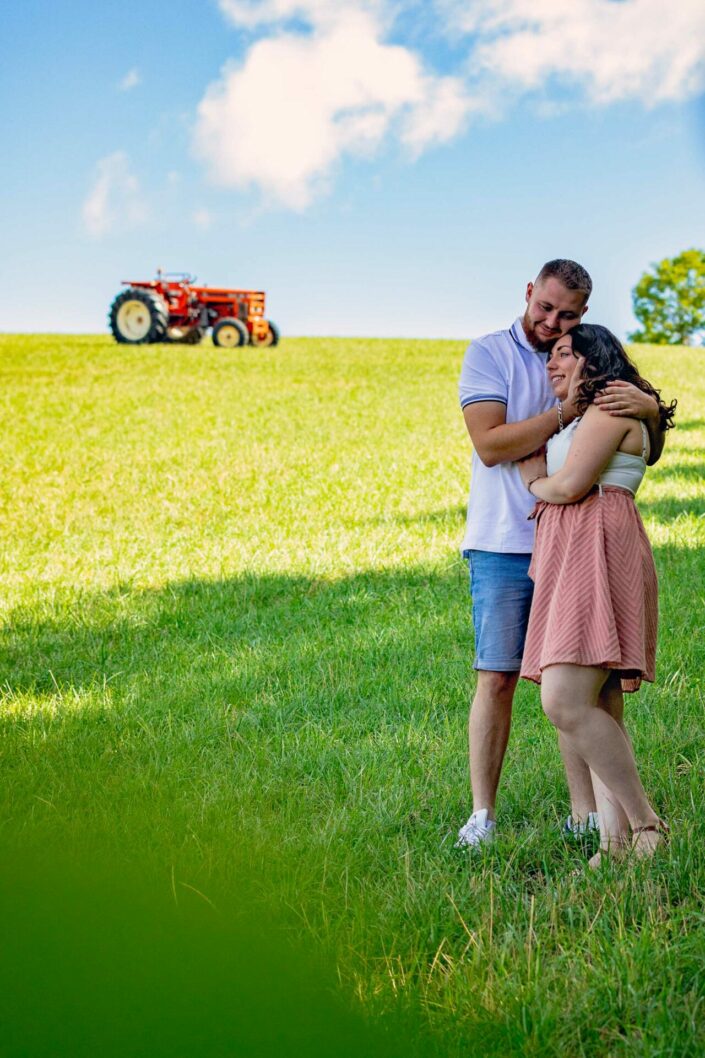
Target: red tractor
171	308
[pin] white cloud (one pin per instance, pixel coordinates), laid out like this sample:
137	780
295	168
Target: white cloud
115	200
612	49
131	79
300	102
439	113
321	80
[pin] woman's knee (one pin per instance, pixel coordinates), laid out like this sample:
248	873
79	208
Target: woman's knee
566	690
558	709
551	707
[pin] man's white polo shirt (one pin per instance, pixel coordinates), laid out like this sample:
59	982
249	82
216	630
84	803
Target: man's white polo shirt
503	367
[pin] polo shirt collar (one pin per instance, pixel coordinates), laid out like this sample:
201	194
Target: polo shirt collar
519	335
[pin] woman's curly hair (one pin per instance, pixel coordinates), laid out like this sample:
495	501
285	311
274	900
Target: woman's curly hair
607	360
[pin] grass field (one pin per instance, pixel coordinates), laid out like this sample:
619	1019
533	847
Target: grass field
235	644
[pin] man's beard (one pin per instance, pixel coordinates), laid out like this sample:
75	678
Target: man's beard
532	337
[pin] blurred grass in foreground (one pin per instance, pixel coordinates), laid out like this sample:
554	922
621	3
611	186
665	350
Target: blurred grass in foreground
96	961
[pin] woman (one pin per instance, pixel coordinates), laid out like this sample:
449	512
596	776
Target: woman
594	611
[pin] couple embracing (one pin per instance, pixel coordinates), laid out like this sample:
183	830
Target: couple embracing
561	572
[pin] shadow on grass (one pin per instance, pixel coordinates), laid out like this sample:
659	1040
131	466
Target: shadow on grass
694	472
307	735
325	718
287	708
668	510
446	516
373	623
281	674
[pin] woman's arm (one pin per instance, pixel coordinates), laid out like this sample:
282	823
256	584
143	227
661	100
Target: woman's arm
597	438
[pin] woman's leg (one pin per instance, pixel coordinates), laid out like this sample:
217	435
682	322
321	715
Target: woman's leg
569	694
578	774
616	824
611	699
587	791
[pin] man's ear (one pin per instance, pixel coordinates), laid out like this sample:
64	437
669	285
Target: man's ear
584	311
529	291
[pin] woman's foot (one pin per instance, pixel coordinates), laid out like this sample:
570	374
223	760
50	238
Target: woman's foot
615	852
645	840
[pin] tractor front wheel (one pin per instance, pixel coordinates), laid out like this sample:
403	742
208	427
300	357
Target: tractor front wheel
138	316
270	338
230	332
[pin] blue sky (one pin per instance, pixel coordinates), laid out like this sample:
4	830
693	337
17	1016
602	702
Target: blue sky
379	167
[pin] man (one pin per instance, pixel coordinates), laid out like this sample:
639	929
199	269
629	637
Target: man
510	411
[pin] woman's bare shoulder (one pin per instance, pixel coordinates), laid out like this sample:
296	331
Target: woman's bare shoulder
596	419
623	428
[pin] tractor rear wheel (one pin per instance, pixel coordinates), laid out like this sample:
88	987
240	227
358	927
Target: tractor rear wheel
184	335
230	332
138	316
270	338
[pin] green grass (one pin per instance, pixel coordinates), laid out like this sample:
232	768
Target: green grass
235	644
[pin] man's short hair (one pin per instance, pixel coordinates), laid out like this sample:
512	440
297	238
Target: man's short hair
572	275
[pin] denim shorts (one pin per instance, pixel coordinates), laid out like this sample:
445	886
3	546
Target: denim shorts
501	592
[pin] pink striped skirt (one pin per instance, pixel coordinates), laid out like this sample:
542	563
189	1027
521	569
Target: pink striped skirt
595	590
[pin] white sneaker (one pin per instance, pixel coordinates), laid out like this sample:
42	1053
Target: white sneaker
478	830
589	826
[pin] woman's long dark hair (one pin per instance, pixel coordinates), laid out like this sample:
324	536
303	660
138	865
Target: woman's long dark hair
607	360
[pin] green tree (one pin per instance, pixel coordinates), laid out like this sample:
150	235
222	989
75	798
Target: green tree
669	301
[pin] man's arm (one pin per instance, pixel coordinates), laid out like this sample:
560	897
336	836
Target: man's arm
622	398
497	441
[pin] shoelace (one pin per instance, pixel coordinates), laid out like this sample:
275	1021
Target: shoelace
472	827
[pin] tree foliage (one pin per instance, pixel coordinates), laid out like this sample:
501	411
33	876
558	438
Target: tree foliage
669	301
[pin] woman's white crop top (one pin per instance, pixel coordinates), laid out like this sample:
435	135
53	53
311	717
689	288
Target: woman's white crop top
623	470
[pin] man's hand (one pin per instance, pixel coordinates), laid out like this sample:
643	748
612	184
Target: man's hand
622	398
533	466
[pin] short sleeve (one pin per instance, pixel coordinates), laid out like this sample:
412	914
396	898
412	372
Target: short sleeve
481	377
